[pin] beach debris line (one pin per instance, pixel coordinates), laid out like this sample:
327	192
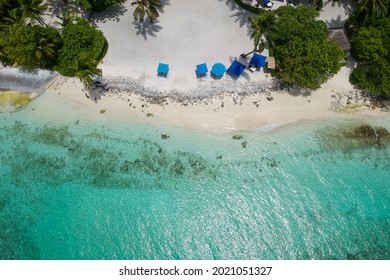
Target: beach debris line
237	137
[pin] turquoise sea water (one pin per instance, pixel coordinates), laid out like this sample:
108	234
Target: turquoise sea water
119	191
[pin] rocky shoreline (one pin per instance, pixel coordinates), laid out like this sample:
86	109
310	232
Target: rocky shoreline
124	87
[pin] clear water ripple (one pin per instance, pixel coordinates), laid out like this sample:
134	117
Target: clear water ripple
114	191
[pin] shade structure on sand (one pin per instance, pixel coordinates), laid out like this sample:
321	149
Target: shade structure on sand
218	69
271	62
268	3
163	69
236	68
258	60
201	69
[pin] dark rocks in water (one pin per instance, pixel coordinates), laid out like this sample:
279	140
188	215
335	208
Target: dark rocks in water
358	136
368	133
237	137
178	167
219	157
58	136
164	136
243	144
273	164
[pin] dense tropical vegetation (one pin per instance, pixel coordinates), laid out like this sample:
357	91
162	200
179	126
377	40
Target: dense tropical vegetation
26	41
263	27
320	3
305	57
99	5
30	46
80	40
299	43
369	30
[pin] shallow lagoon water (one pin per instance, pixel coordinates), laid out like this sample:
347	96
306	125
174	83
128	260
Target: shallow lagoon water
101	190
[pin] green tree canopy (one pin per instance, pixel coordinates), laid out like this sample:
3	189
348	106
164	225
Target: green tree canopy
374	77
146	7
32	10
30	46
6	6
307	62
80	41
320	3
264	24
370	10
368	45
304	55
371	47
365	13
292	21
99	5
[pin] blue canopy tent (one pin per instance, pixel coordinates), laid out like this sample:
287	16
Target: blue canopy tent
163	69
236	68
218	69
258	60
201	69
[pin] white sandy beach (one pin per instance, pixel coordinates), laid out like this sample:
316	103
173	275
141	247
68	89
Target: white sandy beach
222	112
188	33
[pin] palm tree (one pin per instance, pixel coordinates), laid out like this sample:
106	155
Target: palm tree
32	9
4	4
44	50
372	9
263	25
320	3
15	17
146	7
86	69
66	17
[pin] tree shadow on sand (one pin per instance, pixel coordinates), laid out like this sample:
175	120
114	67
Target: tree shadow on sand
231	4
163	3
348	6
335	22
58	7
242	17
113	13
147	28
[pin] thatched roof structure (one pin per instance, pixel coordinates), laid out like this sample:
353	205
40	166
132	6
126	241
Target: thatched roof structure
340	37
271	62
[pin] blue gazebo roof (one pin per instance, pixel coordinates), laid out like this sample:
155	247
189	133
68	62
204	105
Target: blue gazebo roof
163	68
201	69
236	68
258	60
218	69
